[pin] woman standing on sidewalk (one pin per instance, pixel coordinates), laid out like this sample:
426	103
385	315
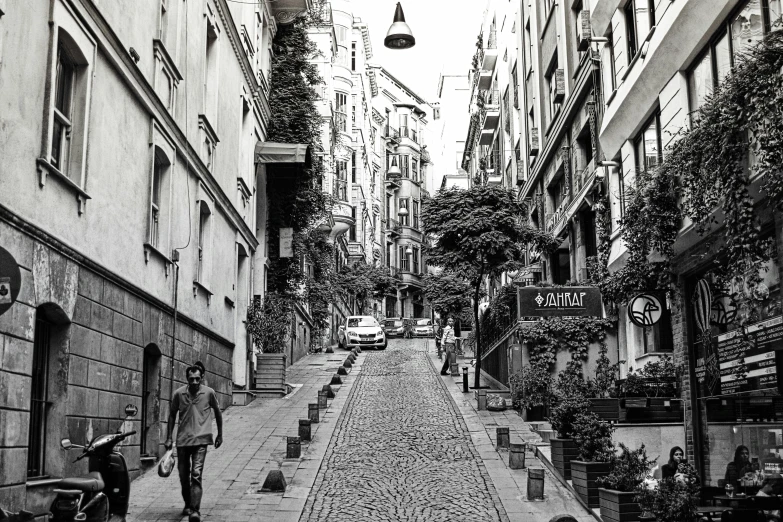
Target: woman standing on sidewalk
448	342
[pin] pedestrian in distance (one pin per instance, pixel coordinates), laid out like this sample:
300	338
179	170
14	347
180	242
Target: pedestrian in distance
195	404
437	331
448	342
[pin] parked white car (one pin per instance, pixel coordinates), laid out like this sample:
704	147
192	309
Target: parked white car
364	331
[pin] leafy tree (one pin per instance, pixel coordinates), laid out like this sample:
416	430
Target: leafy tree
479	232
448	293
268	320
365	281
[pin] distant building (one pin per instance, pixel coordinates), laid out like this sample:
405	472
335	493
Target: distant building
450	113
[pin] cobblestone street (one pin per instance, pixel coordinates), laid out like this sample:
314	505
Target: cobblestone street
401	451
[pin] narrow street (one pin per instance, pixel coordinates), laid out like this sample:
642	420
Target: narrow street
398	442
401	450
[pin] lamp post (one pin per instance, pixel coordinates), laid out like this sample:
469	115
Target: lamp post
399	35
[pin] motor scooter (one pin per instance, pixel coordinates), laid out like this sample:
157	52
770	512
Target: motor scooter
103	494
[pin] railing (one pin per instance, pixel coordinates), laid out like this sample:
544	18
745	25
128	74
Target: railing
321	14
341	121
392	225
410	133
340	190
648	387
492	160
558	215
394	272
490	98
390	132
492	38
494	360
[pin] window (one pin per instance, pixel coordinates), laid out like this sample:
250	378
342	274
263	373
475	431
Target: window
555	88
404	125
415	260
405	162
415	214
528	48
353	167
739	33
548	6
353	56
352	229
211	72
639	19
353	110
65	75
341	115
405	263
620	195
647	145
204	240
405	216
39	395
415	169
160	177
515	83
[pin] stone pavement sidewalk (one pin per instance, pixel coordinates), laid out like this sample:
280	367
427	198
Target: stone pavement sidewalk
255	443
511	484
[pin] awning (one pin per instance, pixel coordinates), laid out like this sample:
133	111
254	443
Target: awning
270	152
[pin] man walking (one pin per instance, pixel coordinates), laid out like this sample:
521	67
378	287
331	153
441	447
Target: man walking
195	404
448	342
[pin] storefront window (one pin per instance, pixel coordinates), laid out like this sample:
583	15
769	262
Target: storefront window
737	341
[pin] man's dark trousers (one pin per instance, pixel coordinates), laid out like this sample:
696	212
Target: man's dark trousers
190	465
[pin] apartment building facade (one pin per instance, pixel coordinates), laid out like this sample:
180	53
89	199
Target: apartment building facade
129	198
401	118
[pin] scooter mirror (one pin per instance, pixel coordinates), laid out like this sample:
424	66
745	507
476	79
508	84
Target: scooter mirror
66	444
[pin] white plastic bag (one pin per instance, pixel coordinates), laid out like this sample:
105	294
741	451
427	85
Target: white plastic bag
166	464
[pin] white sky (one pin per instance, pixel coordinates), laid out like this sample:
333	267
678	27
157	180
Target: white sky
445	32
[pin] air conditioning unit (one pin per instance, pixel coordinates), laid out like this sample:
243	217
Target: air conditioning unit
584	33
534	141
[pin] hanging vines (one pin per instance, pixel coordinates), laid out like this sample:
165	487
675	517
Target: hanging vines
575	334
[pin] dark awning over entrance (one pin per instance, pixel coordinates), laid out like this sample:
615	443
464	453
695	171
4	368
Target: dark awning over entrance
270	152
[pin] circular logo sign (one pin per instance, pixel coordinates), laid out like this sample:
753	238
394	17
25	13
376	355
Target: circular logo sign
724	310
131	410
645	309
10	280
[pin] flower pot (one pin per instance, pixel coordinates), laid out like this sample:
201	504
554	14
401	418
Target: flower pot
618	506
563	452
583	477
606	409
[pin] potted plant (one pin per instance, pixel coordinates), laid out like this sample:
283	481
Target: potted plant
267	322
531	391
617	490
593	437
671	500
569	398
651	394
602	388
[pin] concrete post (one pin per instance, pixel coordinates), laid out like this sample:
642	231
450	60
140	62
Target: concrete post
305	430
322	403
482	399
313	413
503	438
516	456
535	484
293	448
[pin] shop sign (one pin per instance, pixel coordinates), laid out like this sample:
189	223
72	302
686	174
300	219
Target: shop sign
10	280
287	242
646	309
559	302
748	362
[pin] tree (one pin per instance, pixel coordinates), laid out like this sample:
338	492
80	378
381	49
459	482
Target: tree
448	293
479	232
365	281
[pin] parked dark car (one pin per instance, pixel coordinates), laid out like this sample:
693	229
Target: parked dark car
393	326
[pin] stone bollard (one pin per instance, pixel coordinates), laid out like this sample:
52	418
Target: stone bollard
358	349
355	352
568	518
312	413
329	391
342	371
329	349
322	396
516	455
347	363
275	481
305	430
351	358
336	379
482	399
503	437
535	484
293	449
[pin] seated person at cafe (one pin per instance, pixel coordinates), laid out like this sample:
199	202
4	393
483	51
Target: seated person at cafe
741	464
676	456
771	487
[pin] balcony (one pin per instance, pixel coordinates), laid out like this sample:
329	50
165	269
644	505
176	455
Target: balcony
321	14
391	134
490	51
491	110
285	11
392	227
411	134
554	221
392	183
411	278
484	80
494	177
355	250
487	137
342	213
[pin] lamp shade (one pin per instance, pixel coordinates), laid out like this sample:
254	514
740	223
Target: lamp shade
394	170
409	251
402	212
399	35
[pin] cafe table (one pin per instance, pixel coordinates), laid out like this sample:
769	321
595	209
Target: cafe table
711	510
738	500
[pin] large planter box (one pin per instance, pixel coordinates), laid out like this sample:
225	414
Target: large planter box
657	410
618	506
584	476
563	452
606	409
270	375
536	414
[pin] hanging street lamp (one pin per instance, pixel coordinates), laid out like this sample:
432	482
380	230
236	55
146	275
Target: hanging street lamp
399	35
409	251
394	171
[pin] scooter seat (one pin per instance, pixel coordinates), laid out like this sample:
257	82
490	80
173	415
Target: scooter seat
91	482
